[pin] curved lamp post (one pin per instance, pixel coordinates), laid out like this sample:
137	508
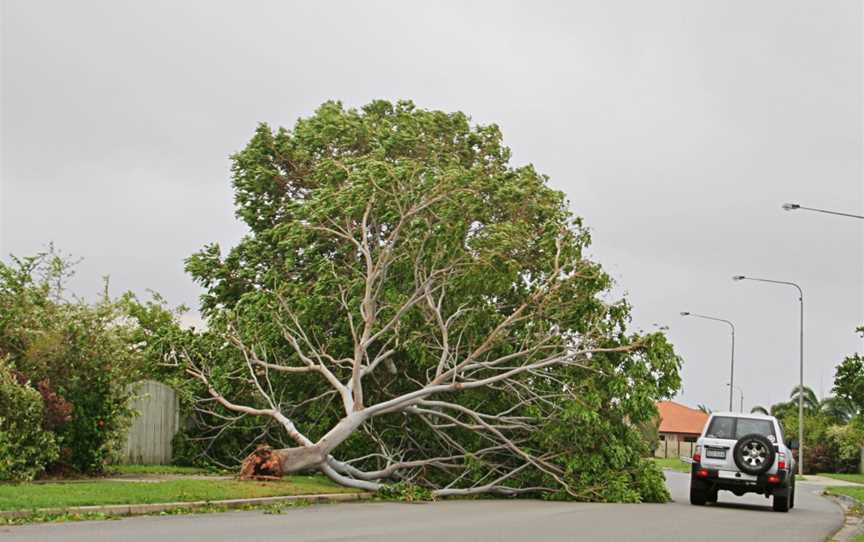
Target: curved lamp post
801	363
732	364
795	207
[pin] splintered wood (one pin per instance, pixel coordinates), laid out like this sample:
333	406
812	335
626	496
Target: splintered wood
262	464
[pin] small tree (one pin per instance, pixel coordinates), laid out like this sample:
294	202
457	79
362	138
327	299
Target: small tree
433	309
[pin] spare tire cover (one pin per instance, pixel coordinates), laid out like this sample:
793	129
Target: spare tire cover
754	453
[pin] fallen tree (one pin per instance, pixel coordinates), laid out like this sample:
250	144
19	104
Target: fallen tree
409	307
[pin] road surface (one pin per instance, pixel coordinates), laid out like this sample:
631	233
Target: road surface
735	519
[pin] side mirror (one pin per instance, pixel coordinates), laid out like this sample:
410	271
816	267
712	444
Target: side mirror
792	444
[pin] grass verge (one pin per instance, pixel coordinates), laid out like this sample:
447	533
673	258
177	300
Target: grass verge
672	463
276	508
857	478
856	493
58	495
158	469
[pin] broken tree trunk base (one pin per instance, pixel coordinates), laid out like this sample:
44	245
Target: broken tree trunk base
262	464
266	463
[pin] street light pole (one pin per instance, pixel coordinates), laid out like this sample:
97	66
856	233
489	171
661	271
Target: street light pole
741	404
795	207
732	363
801	363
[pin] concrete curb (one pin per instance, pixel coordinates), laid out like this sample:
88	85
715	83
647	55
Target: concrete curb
852	525
154	508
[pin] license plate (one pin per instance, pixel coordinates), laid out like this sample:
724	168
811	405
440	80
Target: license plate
736	475
715	453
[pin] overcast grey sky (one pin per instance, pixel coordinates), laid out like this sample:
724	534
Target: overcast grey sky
676	128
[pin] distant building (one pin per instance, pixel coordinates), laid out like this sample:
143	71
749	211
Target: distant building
680	427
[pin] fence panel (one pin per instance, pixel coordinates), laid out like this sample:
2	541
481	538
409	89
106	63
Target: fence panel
674	446
149	438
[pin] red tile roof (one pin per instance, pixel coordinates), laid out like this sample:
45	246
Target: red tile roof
677	418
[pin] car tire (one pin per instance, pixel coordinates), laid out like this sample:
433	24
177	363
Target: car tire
781	501
792	494
698	493
712	496
754	454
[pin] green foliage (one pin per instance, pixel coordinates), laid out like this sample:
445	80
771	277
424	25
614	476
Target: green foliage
849	379
838	410
650	483
79	357
500	230
405	492
832	436
650	430
845	442
809	399
25	447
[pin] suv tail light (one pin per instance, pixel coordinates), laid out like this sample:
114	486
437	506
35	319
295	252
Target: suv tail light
781	461
697	454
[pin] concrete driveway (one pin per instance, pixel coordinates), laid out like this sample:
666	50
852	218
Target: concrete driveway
732	519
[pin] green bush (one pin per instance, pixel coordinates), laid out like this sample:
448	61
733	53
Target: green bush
77	356
845	443
25	448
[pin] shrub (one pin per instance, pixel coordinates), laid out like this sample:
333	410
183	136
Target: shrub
845	444
77	357
25	447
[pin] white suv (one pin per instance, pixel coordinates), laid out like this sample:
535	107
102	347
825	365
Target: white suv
743	453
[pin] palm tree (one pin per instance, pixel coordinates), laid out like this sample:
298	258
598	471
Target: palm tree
759	410
811	402
704	409
781	410
838	409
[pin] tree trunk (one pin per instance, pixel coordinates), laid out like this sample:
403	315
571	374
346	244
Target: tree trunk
267	463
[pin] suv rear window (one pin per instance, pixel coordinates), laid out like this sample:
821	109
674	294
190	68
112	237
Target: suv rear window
727	427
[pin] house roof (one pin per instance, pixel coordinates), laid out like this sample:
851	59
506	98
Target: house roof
677	418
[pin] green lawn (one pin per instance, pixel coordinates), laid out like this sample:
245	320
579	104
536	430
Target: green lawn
51	495
857	478
673	463
156	469
854	492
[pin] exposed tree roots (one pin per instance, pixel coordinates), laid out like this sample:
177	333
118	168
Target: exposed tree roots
262	464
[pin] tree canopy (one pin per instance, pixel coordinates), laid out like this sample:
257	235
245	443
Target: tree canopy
849	378
409	306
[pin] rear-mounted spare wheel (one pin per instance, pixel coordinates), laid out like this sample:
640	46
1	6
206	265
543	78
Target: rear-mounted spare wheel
754	454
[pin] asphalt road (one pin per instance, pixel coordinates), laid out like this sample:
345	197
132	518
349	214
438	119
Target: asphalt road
733	519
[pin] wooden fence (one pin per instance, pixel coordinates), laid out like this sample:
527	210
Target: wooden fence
675	445
149	438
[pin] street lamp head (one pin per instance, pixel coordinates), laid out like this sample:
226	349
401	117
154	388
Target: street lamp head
685	314
739	277
790	206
